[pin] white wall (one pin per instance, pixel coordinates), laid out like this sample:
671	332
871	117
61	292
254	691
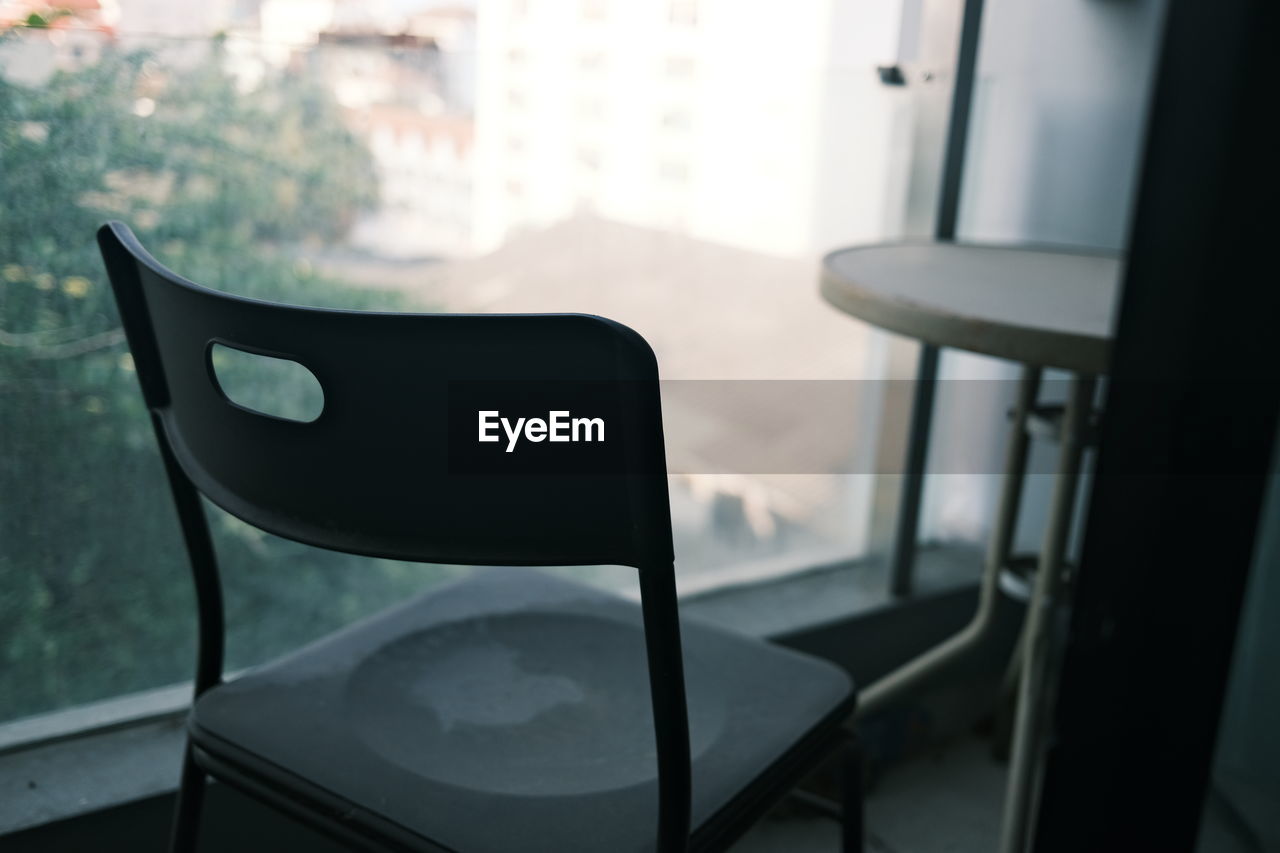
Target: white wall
1053	156
1059	109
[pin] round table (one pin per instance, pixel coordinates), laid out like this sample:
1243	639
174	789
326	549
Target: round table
1051	308
1038	306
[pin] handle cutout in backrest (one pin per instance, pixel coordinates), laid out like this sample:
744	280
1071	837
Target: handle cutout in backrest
266	385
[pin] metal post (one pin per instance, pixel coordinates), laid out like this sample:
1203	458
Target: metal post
904	539
905	535
1036	682
958	123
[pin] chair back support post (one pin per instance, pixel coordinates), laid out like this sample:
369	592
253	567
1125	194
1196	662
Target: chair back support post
122	271
670	713
211	630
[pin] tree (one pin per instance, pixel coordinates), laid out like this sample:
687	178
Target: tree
95	599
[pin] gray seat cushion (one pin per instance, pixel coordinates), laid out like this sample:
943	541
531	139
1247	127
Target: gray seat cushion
511	711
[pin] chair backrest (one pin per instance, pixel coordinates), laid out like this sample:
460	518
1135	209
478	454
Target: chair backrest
394	466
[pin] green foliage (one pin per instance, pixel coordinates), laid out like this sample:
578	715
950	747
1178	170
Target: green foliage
95	598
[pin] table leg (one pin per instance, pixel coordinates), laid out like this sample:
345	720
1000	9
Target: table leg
891	686
1035	683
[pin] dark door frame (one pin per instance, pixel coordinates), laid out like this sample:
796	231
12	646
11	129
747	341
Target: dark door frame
1191	415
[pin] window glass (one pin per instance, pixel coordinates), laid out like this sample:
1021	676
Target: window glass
410	157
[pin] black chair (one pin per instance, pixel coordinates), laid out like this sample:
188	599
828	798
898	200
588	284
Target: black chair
506	712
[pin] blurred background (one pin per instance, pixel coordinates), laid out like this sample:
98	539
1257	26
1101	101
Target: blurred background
679	166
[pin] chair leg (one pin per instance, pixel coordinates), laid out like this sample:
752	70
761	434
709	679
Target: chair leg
852	830
186	815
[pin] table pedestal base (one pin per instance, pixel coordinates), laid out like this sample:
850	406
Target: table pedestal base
1034	652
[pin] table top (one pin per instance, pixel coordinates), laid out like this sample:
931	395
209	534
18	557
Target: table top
1049	307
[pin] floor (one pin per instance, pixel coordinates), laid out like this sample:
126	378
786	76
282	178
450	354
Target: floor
949	802
945	802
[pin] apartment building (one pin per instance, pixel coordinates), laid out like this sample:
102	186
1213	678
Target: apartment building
749	123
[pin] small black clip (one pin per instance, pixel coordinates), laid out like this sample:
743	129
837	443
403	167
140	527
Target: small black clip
891	75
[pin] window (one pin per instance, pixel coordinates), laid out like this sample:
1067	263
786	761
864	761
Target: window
676	119
680	67
683	13
592	62
591	108
393	179
674	171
